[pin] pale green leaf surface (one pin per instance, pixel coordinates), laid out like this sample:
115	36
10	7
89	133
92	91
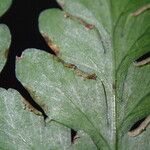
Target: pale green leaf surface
104	108
21	130
108	107
73	101
140	142
109	50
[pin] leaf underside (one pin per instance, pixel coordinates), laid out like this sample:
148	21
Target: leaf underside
89	37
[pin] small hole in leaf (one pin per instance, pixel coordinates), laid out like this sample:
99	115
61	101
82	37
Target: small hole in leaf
74	136
137	124
143	60
139	127
143	57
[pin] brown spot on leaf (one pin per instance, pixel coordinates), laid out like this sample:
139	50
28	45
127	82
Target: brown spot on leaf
81	21
89	26
92	76
85	75
78	72
53	46
72	66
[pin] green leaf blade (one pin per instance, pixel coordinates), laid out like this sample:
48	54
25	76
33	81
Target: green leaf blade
103	38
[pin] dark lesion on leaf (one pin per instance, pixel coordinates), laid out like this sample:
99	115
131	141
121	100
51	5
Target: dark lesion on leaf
143	60
85	75
139	127
87	26
141	10
77	71
81	21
